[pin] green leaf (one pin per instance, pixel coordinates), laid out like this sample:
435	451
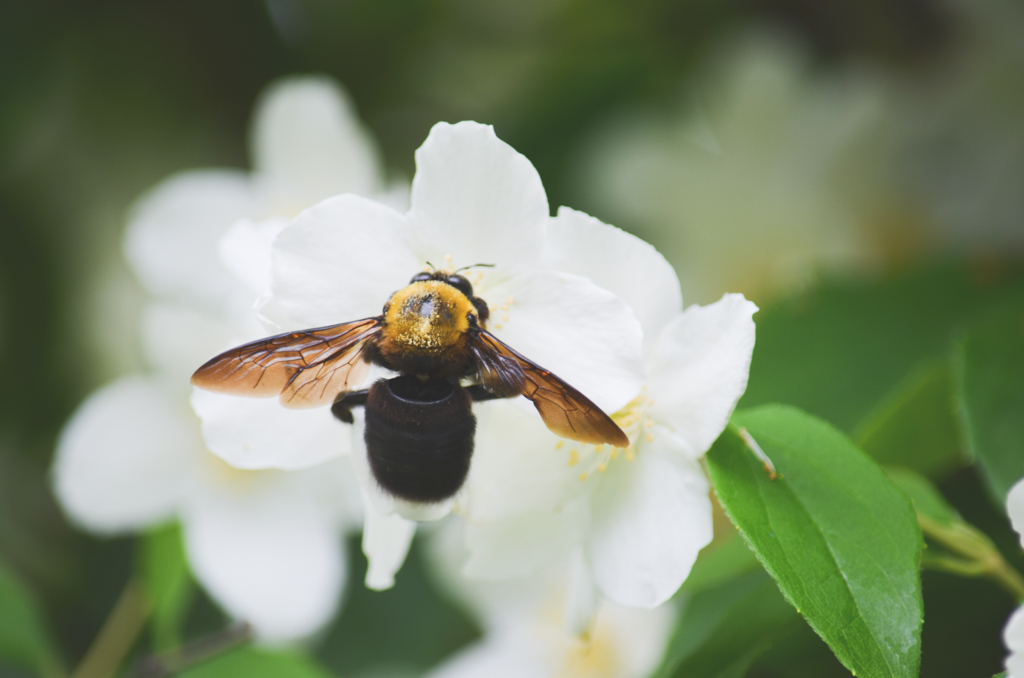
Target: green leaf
24	640
990	378
164	571
915	425
252	662
839	538
723	630
923	494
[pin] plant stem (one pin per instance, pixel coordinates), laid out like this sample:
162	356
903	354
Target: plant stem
195	652
981	558
118	634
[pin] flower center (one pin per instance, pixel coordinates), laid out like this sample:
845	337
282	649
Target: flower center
591	657
634	422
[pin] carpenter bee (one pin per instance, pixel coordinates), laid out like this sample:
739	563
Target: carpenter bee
420	424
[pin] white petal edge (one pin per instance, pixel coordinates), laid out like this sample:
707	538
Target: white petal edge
171	241
258	433
1013	638
619	262
308	144
125	456
178	338
698	369
245	250
341	260
386	542
651	517
577	330
1015	508
477	200
268	553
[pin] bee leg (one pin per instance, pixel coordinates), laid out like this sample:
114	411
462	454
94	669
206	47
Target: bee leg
342	407
479	394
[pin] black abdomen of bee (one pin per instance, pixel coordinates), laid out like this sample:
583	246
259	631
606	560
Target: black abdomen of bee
419	436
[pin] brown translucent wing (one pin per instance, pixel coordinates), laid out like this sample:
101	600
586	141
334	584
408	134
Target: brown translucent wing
307	368
565	411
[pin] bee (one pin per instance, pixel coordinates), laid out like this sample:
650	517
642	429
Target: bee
419	425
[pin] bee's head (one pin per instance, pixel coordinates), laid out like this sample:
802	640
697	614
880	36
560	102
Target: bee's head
454	279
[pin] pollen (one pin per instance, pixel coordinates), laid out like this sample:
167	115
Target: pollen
560	444
498	327
504	317
574	458
583	477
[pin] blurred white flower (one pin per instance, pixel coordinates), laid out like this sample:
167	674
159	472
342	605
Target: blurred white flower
526	634
640	516
1013	634
474	201
769	178
267	545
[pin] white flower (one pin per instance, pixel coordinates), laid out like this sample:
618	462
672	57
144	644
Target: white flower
267	545
526	633
474	201
640	516
1013	634
757	189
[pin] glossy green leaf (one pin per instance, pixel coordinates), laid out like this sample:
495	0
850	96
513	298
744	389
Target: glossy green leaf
923	494
991	391
724	629
169	585
837	535
915	425
252	662
24	640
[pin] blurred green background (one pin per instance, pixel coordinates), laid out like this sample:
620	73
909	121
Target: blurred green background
883	140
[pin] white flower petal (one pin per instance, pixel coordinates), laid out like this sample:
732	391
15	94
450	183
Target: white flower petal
245	251
651	517
386	542
581	332
308	145
173	230
521	545
699	367
124	457
177	339
477	200
268	554
518	466
258	433
1015	508
584	599
617	261
1013	638
341	260
501	656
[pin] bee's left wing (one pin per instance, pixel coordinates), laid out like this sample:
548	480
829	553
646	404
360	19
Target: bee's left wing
307	368
565	411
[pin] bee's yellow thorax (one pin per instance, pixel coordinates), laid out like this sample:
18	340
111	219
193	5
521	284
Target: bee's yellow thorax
428	316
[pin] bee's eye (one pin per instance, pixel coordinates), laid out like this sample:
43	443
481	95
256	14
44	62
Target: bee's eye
420	277
461	284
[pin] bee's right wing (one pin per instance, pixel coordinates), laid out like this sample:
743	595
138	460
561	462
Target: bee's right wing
565	411
307	368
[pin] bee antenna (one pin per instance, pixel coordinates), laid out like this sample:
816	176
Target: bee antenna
476	266
432	267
